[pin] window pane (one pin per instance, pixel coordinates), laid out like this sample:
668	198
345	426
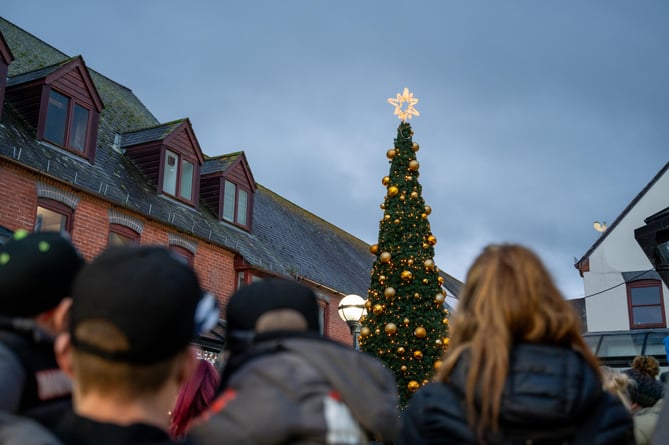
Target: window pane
643	315
620	345
241	207
56	117
117	239
229	201
48	220
170	173
186	184
592	341
78	128
645	295
654	343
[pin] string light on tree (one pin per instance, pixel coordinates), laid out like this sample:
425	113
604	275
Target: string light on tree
404	327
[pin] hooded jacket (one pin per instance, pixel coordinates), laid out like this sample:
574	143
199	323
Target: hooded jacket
302	390
551	396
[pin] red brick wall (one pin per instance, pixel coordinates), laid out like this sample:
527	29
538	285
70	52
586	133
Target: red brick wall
90	230
18	198
213	264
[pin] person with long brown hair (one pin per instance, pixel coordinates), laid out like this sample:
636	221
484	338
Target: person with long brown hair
518	370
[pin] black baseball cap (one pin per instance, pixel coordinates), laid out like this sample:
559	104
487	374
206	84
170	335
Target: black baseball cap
250	302
147	292
36	272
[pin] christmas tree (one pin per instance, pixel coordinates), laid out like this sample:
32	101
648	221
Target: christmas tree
405	325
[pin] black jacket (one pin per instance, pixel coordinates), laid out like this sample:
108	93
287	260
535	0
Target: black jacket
550	394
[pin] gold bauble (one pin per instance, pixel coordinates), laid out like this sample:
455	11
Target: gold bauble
368	305
428	263
432	240
416	295
402	197
374	248
386	217
413	386
385	180
377	309
382	278
420	332
438	342
414	195
403	368
383	206
391	153
418	354
446	340
425	281
401	350
437	364
385	257
397	221
406	275
439	298
377	331
415	146
440	279
423	215
413	165
408	178
428	209
365	331
444	320
389	292
410	261
393	191
405	321
425	245
391	328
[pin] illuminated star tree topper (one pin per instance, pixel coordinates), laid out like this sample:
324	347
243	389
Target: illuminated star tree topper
405	98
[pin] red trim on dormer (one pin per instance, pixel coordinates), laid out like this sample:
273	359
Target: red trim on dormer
242	163
5	52
176	138
77	63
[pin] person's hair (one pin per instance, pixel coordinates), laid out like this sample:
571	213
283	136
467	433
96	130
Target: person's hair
194	397
508	297
111	377
646	364
617	383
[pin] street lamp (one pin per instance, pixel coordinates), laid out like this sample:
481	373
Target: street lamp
351	309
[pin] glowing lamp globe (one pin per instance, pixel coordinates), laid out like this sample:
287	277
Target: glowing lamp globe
351	308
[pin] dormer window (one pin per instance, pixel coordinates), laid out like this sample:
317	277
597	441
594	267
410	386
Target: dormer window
67	122
178	174
170	157
62	104
227	188
235	204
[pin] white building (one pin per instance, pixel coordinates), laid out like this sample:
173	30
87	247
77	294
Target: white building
625	296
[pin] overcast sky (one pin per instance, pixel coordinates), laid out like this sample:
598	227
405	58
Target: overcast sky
537	118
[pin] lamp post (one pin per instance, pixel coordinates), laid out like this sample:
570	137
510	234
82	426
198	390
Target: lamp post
351	309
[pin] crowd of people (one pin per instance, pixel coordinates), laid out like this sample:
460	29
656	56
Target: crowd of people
101	353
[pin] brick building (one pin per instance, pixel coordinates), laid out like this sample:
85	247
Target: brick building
80	152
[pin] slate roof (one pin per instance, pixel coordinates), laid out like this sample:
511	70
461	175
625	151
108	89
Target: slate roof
156	133
622	215
219	163
286	240
36	74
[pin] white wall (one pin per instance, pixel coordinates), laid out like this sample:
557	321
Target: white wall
620	252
